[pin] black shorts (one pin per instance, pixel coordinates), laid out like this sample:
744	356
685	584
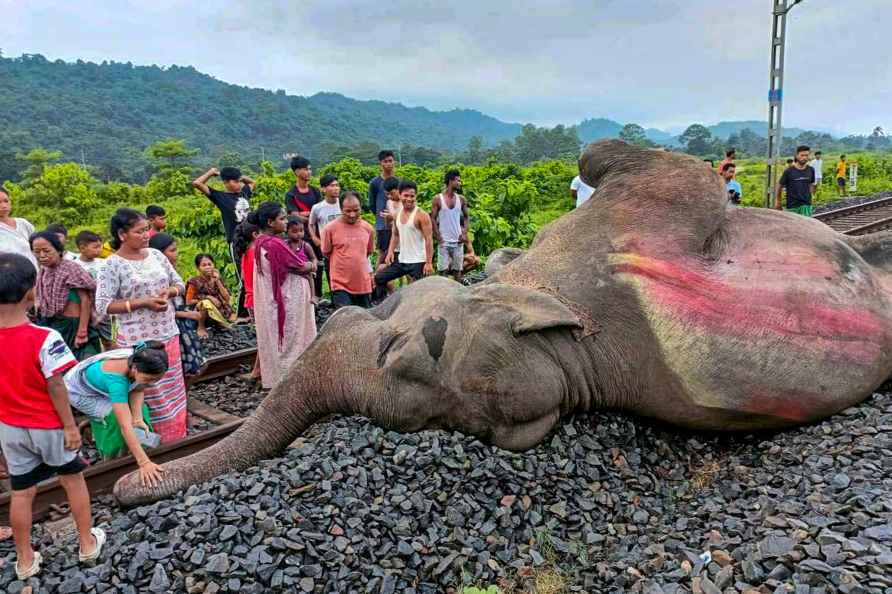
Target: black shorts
398	270
841	182
383	241
342	299
43	472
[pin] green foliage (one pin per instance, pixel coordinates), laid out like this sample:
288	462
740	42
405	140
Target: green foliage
634	134
108	109
508	202
697	140
37	160
64	192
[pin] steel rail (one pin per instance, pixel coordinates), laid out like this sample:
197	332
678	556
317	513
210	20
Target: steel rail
102	476
859	219
223	365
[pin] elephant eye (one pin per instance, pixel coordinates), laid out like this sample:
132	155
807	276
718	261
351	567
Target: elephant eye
389	342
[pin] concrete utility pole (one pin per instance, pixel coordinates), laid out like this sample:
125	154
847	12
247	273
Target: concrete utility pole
776	94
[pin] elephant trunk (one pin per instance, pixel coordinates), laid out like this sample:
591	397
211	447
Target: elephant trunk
288	410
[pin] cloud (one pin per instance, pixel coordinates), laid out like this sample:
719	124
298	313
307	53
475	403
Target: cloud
656	62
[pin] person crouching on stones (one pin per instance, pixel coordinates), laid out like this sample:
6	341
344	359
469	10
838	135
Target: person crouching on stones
191	352
65	292
38	433
209	295
108	388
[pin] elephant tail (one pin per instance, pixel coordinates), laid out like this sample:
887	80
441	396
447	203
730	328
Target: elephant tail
280	418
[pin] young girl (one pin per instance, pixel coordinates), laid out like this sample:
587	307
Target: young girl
108	388
282	292
191	351
245	234
65	294
304	251
210	297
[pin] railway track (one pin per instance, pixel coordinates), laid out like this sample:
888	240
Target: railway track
101	477
223	365
860	219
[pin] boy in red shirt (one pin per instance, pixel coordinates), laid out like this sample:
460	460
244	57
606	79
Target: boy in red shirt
37	430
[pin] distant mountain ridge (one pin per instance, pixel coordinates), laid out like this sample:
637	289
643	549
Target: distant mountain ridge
106	114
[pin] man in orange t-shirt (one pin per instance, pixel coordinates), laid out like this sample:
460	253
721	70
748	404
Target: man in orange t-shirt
347	242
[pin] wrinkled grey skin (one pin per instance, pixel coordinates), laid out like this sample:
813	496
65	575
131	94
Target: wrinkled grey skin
563	327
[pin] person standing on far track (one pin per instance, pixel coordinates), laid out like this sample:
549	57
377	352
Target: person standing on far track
799	182
841	177
818	165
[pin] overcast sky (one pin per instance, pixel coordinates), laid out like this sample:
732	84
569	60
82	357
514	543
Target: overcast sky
661	63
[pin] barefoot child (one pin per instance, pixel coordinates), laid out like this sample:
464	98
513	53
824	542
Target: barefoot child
37	429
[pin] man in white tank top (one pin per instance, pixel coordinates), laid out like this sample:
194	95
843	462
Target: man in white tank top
449	212
412	237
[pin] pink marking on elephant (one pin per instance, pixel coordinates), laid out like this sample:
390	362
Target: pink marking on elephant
719	306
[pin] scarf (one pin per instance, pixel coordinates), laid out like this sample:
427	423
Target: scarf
282	261
53	285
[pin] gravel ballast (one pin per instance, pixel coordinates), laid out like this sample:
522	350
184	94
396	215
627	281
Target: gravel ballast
607	503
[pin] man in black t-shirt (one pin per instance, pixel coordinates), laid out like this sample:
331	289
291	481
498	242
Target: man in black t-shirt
799	183
234	205
299	201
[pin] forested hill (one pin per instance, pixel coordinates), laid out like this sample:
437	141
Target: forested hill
112	111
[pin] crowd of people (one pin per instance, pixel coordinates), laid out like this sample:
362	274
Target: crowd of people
798	185
112	331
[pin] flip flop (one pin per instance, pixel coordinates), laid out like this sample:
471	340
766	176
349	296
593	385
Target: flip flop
31	571
99	535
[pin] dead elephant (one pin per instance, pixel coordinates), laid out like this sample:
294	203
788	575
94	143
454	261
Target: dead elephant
654	297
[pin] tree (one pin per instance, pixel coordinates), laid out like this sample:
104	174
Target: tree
634	134
877	140
171	155
37	160
697	140
475	149
536	144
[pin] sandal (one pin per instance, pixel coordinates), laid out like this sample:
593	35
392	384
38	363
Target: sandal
99	535
31	571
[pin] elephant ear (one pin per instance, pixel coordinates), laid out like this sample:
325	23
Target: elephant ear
526	310
652	201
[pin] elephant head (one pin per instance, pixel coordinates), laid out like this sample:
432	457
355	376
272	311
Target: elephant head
481	360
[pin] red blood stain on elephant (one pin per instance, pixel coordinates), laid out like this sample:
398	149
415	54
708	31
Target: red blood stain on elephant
726	308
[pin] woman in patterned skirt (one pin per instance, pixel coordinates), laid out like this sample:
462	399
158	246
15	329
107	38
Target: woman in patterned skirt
137	285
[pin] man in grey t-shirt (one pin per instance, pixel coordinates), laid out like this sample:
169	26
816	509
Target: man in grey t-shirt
324	212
